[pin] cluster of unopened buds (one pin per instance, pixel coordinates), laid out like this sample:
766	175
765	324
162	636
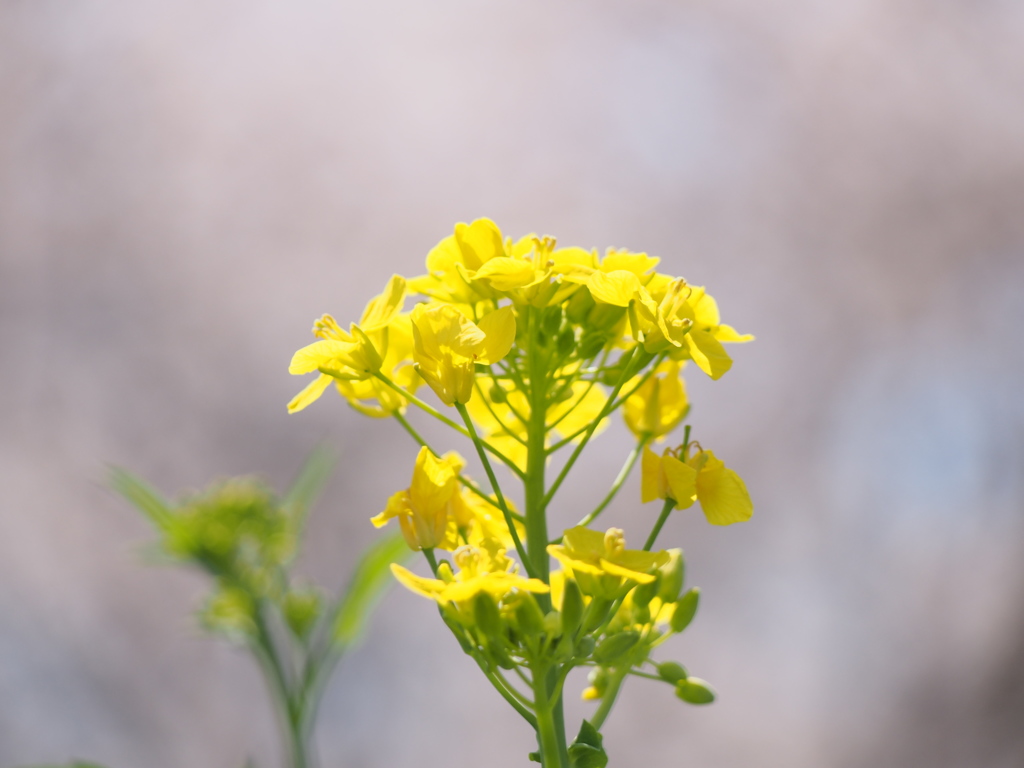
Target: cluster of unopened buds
530	348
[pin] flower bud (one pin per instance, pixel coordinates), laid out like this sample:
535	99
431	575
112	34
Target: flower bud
572	607
693	690
644	593
671	672
597	611
671	576
685	610
614	648
529	616
486	615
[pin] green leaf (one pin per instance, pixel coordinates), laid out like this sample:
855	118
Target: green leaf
587	751
143	496
369	580
312	478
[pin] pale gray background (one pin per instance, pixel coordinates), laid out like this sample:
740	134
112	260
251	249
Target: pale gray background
185	185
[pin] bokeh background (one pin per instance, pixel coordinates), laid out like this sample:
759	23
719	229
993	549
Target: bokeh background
185	185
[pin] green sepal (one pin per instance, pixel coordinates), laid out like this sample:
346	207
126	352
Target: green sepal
685	610
613	648
587	750
529	617
644	593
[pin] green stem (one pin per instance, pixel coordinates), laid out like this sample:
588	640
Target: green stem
623	378
608	700
426	408
670	504
465	481
502	505
623	474
552	754
289	707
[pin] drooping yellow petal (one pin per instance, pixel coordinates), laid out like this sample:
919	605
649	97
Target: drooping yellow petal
681	479
722	493
708	353
650	471
499	330
310	393
321	353
431	588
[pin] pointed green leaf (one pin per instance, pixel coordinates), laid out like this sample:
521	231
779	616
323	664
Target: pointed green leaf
369	580
312	478
143	496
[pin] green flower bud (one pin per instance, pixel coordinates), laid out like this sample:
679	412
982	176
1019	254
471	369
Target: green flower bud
591	344
498	394
644	593
597	611
579	306
552	321
584	647
614	648
553	624
566	341
671	672
695	691
671	576
486	616
572	608
685	610
301	609
528	616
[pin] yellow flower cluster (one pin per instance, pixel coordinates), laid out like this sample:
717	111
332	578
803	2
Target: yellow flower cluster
535	347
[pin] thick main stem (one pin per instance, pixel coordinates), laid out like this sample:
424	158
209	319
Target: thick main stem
537	530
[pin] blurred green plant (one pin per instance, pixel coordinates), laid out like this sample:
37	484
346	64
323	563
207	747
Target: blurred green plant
246	538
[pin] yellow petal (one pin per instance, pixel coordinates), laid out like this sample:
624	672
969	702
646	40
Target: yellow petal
617	288
383	308
728	334
650	468
431	588
708	353
499	330
311	392
682	480
637	263
320	353
723	494
505	274
479	242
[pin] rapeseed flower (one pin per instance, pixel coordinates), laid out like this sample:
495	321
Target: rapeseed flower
699	477
600	562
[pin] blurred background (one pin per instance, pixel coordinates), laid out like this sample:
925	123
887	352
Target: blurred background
185	186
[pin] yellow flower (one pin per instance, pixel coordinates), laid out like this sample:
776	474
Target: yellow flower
348	356
453	262
701	477
691	328
371	396
657	406
447	345
600	562
425	509
481	569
